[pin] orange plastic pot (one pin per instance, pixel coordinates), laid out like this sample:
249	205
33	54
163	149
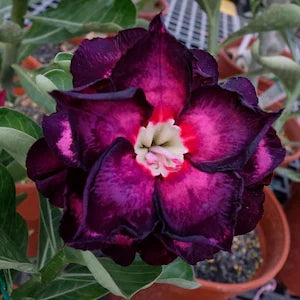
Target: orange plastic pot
160	5
29	209
274	237
290	273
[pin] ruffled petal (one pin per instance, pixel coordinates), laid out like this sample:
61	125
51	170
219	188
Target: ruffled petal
94	59
195	204
59	137
244	88
252	209
119	247
194	251
118	194
161	66
205	68
221	132
98	119
267	156
153	252
47	171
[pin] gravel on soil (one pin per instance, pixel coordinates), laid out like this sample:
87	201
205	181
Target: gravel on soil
236	267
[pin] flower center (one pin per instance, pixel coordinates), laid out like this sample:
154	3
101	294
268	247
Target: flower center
159	148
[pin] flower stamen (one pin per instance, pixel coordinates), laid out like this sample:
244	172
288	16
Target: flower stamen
159	147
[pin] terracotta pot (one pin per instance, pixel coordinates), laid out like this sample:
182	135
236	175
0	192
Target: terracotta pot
274	237
29	63
29	209
161	5
290	273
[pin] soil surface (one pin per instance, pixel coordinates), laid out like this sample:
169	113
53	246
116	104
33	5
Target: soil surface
236	267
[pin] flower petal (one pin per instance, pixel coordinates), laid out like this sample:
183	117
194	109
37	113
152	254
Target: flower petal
98	119
120	248
244	88
153	252
160	65
59	137
118	194
196	204
252	209
267	156
220	132
94	59
205	68
47	171
194	251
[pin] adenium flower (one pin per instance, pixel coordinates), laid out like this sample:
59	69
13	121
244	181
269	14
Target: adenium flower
148	154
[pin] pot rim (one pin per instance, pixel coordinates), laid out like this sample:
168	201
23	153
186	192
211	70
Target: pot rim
266	276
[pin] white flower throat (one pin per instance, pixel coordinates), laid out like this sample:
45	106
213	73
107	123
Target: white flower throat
159	148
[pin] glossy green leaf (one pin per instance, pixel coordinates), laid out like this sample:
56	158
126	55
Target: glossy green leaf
49	239
55	79
74	283
16	143
36	94
65	21
63	60
101	275
10	257
290	174
121	281
275	17
14	119
179	273
13	229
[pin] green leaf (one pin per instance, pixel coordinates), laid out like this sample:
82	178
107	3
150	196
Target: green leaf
121	281
36	94
101	275
283	67
61	289
49	239
14	119
290	174
74	283
64	22
17	172
13	229
16	143
55	79
11	258
20	198
179	273
275	17
63	60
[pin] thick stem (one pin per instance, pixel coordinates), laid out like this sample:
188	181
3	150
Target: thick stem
292	99
10	52
213	34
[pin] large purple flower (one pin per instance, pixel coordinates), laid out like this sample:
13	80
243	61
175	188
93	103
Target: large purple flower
149	154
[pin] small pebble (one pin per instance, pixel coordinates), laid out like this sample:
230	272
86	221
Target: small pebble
236	267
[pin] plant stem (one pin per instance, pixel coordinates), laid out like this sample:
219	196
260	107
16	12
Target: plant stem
213	33
10	51
292	98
